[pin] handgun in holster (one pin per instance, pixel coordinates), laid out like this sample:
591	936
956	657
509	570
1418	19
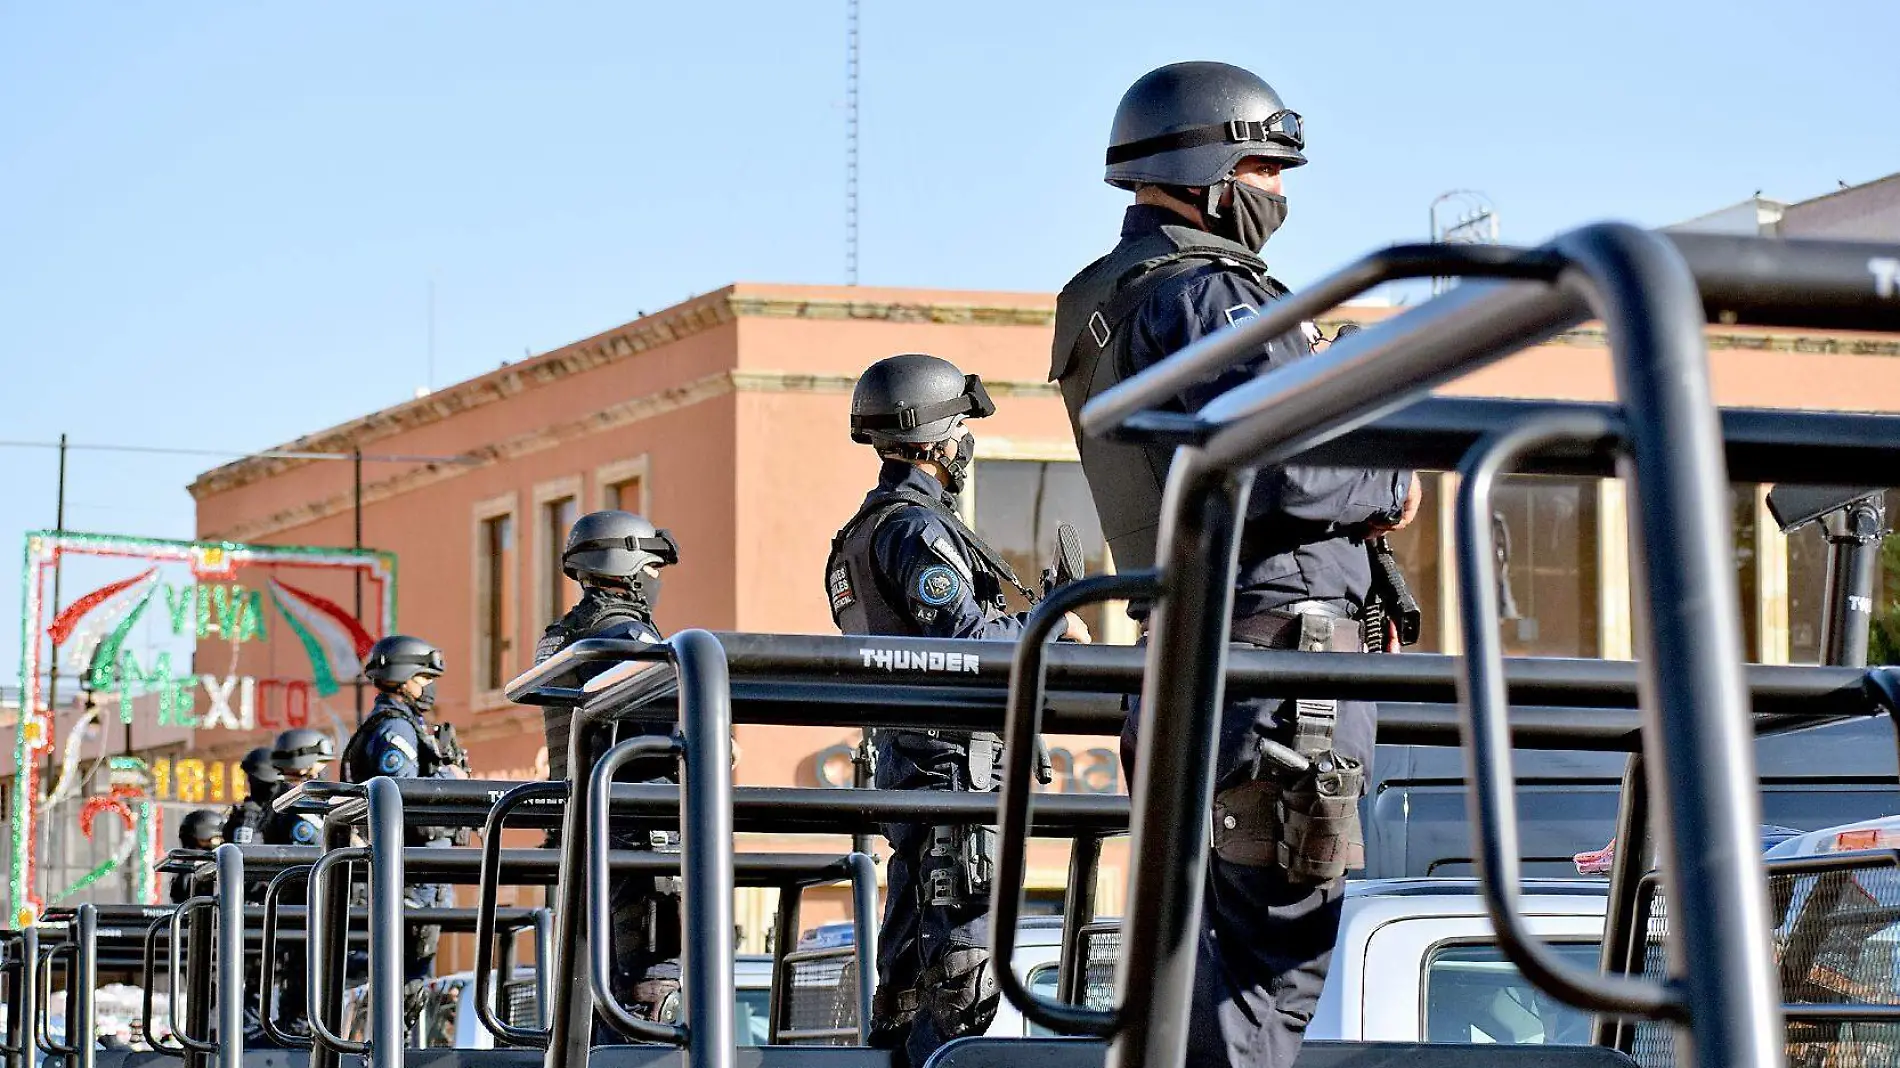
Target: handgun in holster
1298	809
960	866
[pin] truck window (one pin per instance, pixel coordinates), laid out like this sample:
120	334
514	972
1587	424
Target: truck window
1472	994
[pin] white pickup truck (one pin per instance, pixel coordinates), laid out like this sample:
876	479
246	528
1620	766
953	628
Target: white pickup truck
1416	961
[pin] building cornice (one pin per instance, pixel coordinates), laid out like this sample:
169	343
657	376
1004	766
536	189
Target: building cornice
715	309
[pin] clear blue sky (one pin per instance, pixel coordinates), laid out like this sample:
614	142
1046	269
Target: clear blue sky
219	220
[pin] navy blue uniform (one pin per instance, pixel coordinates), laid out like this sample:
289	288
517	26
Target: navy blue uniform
1266	942
397	742
907	566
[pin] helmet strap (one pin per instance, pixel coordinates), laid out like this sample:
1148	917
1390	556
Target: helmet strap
1215	194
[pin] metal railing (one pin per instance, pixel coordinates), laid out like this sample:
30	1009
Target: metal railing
1695	732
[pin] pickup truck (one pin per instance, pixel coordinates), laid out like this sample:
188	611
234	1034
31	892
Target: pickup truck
1415	962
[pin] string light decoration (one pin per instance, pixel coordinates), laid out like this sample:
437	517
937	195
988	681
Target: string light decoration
213	605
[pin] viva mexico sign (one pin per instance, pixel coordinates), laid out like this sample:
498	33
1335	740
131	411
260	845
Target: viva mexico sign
198	635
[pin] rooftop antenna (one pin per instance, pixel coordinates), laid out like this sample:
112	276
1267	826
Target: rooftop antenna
1462	217
851	142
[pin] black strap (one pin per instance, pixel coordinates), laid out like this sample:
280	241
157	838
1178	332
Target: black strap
662	546
1137	285
877	510
974	400
995	564
1238	131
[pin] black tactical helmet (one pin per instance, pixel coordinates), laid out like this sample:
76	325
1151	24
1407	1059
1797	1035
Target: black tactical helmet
257	765
398	658
200	826
616	544
914	399
302	747
1190	125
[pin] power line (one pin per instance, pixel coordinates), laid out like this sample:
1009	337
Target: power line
851	142
243	454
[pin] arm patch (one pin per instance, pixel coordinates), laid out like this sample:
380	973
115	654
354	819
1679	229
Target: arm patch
938	585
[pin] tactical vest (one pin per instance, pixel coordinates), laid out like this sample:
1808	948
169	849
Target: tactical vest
862	599
428	756
1092	354
597	613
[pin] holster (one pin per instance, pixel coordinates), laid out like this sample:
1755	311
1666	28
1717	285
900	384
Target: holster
959	867
1299	810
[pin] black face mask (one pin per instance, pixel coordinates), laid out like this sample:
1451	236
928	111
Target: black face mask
425	700
646	590
1252	217
957	467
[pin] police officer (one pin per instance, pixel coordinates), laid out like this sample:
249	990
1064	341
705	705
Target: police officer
1203	147
244	823
299	755
907	565
200	829
397	740
617	557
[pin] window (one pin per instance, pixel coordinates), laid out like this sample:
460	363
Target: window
625	496
557	518
495	597
1544	532
1472	994
1019	503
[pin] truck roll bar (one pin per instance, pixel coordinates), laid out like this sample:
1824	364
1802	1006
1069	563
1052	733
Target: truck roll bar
1759	444
317	945
1488	764
175	967
489	883
150	977
1027	676
1644	288
599	913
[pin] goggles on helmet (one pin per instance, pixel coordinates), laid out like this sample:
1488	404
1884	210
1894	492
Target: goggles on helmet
316	749
430	661
661	545
974	402
1283	127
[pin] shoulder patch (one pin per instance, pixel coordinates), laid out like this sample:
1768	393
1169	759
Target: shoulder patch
1240	313
392	760
937	585
942	547
304	832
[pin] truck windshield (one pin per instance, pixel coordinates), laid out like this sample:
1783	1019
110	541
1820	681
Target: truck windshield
1472	994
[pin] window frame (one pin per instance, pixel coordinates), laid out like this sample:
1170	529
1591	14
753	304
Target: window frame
609	477
546	548
507	506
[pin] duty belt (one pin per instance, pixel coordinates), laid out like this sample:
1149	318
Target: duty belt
1310	625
